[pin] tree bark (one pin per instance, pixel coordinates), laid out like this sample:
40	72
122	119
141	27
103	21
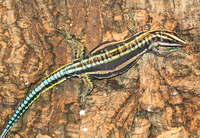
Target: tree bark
158	97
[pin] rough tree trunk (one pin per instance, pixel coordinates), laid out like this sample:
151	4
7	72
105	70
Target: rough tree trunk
158	97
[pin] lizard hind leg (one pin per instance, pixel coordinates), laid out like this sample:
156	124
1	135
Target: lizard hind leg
87	87
76	46
131	30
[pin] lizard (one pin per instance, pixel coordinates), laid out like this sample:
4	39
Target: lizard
107	60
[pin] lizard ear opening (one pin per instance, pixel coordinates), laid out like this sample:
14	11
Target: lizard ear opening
164	48
165	51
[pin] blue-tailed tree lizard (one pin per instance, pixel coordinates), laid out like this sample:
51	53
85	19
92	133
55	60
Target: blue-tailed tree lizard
107	60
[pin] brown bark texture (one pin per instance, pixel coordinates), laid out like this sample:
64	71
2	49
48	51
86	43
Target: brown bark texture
158	97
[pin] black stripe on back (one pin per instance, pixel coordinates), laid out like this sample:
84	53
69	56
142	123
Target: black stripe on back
113	45
110	66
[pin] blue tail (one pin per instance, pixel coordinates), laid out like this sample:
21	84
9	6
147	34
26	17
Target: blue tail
5	132
45	85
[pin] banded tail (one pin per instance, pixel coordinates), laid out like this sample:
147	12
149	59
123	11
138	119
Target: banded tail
49	82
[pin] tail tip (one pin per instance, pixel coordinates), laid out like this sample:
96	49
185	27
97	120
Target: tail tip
5	132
